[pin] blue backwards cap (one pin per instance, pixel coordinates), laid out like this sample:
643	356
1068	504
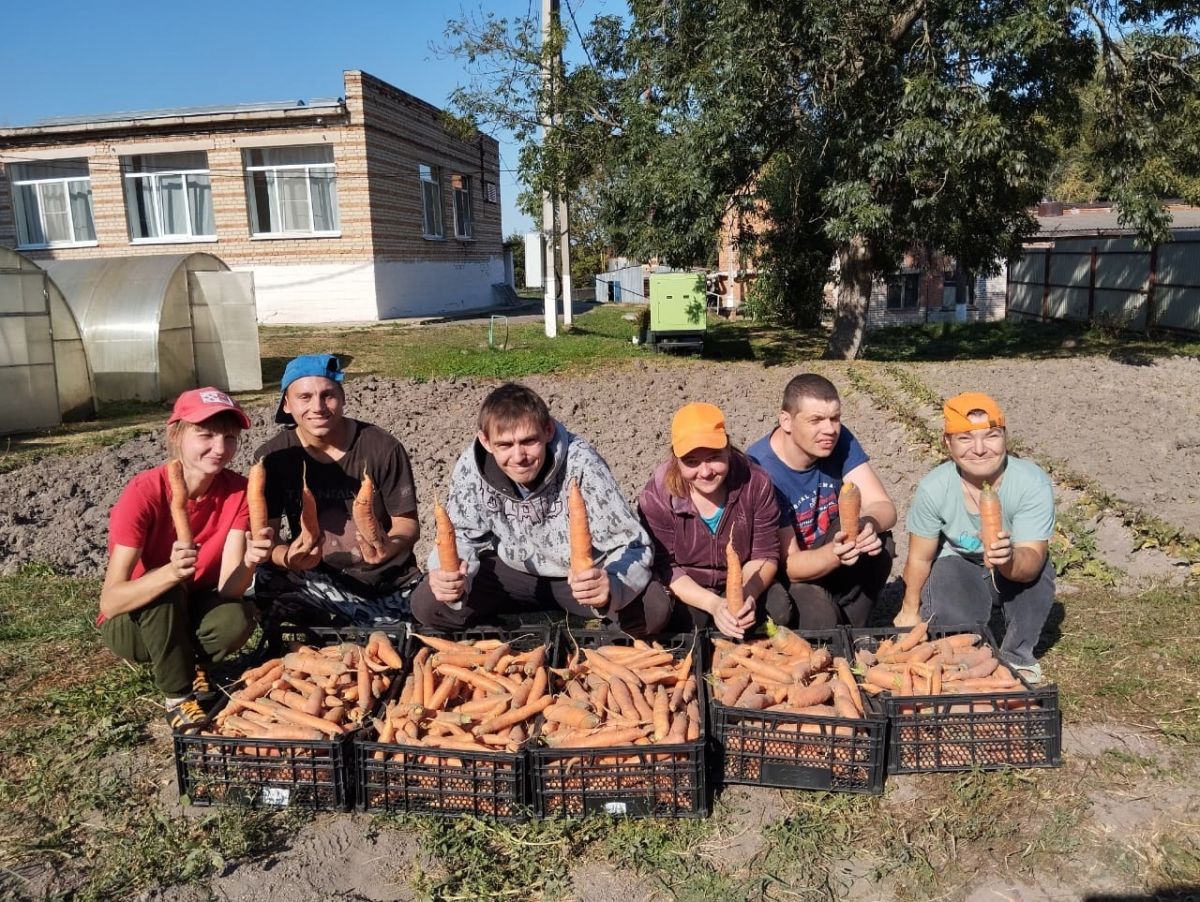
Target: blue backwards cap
325	365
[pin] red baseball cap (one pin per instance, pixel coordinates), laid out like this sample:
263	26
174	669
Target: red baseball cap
199	404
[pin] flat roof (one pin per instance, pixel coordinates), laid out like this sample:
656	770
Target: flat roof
269	109
1103	220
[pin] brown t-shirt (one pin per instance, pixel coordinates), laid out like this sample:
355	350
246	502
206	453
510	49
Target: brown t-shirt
334	485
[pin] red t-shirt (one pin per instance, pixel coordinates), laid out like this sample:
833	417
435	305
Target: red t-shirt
141	518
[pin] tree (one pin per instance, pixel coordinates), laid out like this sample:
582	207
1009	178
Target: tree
866	127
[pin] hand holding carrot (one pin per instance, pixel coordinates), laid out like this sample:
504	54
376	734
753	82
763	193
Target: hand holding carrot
1000	554
590	587
733	625
845	551
183	560
301	555
868	541
258	551
449	586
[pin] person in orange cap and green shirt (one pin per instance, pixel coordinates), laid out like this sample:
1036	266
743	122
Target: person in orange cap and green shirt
945	576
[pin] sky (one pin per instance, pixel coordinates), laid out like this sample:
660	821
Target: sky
79	57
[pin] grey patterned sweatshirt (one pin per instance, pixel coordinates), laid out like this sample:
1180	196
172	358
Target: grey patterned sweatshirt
530	534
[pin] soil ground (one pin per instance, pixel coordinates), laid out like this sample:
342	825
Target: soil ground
1129	427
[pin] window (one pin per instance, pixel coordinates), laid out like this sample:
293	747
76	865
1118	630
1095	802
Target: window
431	200
53	203
462	205
168	196
902	291
292	190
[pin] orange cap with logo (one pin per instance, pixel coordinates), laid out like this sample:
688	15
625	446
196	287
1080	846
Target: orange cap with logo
956	411
697	426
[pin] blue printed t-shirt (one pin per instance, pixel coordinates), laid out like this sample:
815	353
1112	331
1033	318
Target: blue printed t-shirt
808	499
939	510
714	521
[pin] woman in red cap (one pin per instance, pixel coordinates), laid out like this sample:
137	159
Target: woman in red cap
706	495
177	605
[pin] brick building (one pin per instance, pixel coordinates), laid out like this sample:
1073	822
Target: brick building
356	209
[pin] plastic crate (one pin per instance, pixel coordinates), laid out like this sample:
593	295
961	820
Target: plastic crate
404	778
965	731
270	773
316	774
798	751
664	780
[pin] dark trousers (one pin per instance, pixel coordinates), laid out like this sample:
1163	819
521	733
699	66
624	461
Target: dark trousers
842	597
498	589
961	592
177	629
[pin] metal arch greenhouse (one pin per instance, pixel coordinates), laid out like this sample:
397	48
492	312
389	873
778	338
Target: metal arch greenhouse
45	378
155	326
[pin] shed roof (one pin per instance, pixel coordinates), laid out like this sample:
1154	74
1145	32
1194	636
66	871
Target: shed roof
1095	219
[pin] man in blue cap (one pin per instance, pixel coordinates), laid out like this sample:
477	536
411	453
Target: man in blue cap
342	578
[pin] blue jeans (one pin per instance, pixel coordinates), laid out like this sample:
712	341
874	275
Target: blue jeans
960	592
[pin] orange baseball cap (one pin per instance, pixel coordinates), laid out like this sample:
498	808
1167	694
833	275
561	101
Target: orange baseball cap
697	426
957	409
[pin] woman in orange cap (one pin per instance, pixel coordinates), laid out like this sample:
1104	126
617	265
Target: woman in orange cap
176	604
949	575
706	495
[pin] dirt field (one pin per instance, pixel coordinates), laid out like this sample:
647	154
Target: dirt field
1130	428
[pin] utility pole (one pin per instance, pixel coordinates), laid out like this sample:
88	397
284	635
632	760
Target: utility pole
565	238
549	15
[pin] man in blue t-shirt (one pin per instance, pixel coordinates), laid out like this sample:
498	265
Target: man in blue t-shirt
830	581
947	576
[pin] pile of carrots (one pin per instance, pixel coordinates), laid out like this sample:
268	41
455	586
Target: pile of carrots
623	695
914	665
311	693
467	696
784	673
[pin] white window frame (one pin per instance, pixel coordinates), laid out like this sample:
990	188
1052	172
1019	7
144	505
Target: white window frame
155	193
431	176
38	186
276	216
463	190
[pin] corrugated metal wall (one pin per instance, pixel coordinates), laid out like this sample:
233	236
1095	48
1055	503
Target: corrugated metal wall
1086	278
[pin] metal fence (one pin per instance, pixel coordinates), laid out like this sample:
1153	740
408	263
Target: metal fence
1084	279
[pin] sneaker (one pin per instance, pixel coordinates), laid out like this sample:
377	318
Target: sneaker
1032	673
187	716
202	689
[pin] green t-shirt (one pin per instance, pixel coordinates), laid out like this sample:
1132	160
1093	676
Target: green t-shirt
939	510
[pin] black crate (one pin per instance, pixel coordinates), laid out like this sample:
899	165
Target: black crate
414	779
664	780
271	773
957	732
798	751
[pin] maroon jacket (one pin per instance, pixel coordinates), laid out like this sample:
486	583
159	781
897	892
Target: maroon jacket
683	546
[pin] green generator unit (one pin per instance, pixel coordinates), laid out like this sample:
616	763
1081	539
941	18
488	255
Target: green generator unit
678	314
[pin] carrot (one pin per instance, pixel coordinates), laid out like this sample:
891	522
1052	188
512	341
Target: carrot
179	492
580	531
843	671
504	721
735	597
990	520
364	685
310	525
599	739
313	664
579	718
447	546
256	497
364	514
849	510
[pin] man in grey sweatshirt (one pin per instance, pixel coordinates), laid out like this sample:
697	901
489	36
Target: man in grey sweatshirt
508	504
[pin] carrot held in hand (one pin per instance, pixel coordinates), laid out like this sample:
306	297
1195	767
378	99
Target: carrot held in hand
447	548
256	498
364	515
310	526
179	492
990	521
735	597
849	510
580	532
